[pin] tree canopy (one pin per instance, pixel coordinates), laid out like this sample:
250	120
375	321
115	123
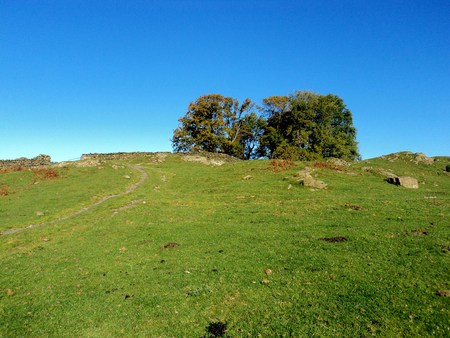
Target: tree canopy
218	124
308	126
301	126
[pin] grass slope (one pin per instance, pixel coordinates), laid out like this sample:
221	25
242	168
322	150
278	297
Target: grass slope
105	272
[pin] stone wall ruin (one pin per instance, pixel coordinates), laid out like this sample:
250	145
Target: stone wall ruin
38	161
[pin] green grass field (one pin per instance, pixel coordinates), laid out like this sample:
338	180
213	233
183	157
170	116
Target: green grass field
246	252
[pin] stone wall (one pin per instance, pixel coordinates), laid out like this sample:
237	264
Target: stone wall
116	156
38	161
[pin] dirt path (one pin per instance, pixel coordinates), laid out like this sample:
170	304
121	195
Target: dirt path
129	190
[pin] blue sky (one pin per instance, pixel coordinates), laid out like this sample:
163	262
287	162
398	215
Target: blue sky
81	76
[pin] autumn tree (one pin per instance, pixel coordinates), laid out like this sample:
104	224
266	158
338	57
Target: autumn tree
308	126
217	124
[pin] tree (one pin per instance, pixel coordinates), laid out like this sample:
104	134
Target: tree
252	128
214	123
308	126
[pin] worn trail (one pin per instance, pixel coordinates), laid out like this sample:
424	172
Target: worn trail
129	190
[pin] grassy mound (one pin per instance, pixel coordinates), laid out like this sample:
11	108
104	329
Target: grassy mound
240	249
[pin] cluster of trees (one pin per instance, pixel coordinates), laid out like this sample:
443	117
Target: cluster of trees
300	126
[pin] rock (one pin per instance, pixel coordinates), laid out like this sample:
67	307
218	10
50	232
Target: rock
310	181
39	213
303	173
404	181
203	160
265	282
127	177
268	271
248	177
338	162
422	158
408	182
379	171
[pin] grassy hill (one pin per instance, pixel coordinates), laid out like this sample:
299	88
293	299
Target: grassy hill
197	246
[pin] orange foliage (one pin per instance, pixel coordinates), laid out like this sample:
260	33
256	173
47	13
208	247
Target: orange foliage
281	165
12	169
45	173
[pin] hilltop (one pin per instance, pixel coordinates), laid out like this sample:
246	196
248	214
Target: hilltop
161	244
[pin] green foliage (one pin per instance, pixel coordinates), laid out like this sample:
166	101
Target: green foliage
218	124
302	126
308	126
447	168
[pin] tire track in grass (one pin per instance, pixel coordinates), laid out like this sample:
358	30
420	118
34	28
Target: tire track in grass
130	189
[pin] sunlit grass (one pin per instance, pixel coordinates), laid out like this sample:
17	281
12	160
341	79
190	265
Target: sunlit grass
106	274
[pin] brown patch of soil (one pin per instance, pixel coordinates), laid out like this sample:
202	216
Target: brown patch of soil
4	190
334	239
352	206
169	245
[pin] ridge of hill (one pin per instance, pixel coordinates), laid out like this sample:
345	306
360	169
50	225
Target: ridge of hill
246	246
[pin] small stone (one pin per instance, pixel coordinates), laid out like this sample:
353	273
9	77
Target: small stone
443	293
10	292
289	186
265	282
248	177
39	213
126	176
268	271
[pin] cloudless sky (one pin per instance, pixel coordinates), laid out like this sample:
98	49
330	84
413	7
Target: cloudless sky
82	76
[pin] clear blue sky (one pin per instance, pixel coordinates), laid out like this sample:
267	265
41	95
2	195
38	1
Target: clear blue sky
81	76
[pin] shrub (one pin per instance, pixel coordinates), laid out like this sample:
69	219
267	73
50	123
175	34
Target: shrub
45	173
281	165
12	169
447	168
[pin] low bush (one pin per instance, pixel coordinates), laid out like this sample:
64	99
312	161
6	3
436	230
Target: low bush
12	169
45	173
281	165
